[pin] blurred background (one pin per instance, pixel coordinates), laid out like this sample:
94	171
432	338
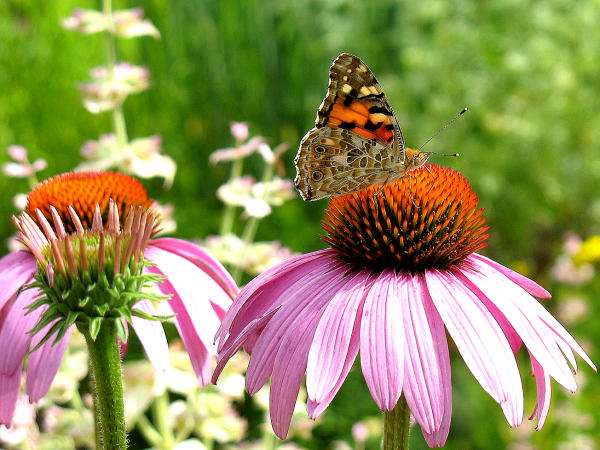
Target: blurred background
529	145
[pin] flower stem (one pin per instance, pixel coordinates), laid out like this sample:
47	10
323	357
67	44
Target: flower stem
227	223
160	413
119	126
105	368
396	426
247	239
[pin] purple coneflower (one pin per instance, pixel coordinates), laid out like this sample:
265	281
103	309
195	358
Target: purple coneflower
90	252
398	275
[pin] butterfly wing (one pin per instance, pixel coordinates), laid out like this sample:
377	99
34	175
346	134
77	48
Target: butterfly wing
355	101
335	161
356	141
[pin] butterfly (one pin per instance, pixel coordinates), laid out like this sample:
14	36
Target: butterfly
357	141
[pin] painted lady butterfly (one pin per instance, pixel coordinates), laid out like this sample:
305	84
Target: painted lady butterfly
356	141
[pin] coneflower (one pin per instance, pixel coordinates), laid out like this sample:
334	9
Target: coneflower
92	262
401	269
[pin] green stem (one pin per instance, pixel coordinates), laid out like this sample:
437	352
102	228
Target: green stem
227	223
105	370
396	427
110	40
251	226
247	239
147	430
118	118
160	413
120	126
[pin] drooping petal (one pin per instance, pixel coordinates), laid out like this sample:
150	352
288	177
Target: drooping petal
288	370
544	393
315	409
203	260
152	336
16	270
480	341
14	328
186	326
330	347
44	362
9	391
303	299
382	341
427	384
190	296
250	333
538	329
263	293
525	283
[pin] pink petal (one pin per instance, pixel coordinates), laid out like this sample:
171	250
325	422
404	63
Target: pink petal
251	332
427	383
525	283
480	341
186	326
16	270
382	343
544	393
329	349
303	300
315	409
532	322
152	336
194	289
44	362
263	293
288	371
9	391
14	328
203	260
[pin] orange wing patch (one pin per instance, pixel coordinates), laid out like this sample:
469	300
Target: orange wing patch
363	118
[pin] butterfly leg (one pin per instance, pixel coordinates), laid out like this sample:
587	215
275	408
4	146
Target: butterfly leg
412	199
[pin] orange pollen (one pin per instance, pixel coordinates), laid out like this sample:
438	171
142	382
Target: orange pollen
426	220
83	191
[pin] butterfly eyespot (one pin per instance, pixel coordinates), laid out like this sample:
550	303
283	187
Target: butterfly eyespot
313	166
319	150
317	175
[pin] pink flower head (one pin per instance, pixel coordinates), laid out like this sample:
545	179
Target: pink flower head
399	274
239	130
85	230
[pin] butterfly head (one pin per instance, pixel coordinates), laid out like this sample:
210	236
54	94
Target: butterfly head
415	159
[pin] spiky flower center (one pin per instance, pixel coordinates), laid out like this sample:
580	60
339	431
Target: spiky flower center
84	191
88	232
426	220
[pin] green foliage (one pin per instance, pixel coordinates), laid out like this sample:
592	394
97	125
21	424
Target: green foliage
529	144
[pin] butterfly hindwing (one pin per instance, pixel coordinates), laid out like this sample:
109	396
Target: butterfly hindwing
337	160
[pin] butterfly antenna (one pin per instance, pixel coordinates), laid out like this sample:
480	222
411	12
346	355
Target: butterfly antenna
450	122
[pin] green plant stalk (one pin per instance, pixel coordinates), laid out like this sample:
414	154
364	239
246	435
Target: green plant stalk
147	430
118	118
105	370
251	227
227	223
396	426
160	413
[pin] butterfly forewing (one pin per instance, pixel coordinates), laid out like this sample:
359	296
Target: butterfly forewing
356	101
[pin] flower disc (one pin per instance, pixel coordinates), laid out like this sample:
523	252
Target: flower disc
83	191
426	220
